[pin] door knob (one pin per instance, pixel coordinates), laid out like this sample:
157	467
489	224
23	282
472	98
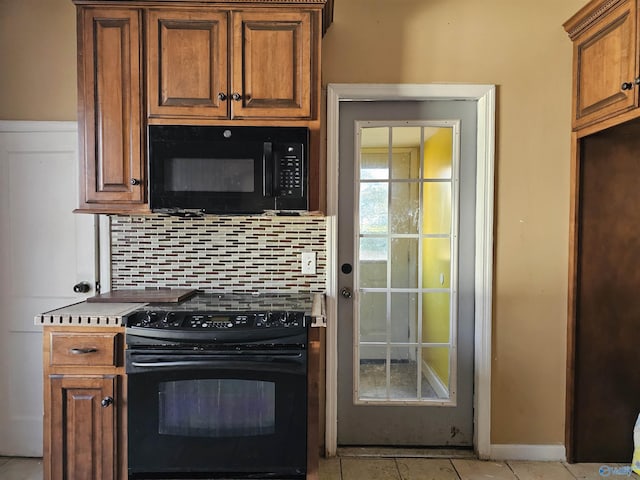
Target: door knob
82	287
626	86
236	96
346	292
106	401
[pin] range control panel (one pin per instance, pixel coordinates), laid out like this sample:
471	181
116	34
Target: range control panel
169	320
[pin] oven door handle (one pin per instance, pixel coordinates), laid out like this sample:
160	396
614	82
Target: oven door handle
184	363
294	363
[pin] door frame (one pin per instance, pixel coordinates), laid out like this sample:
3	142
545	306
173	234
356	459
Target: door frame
485	97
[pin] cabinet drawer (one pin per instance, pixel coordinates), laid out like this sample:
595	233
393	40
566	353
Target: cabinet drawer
71	348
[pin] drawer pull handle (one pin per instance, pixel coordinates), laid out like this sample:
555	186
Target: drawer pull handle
106	401
83	351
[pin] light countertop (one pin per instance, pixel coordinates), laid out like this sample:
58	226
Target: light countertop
88	314
110	314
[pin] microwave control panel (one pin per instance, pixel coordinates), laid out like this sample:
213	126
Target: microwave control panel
290	170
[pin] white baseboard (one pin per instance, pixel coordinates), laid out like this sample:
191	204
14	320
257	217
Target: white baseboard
549	453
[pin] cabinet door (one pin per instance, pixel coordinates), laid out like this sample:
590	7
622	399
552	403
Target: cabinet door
83	428
272	67
110	107
187	63
605	59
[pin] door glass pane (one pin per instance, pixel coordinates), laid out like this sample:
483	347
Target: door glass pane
372	373
373	273
374	139
404	317
373	312
374	207
436	361
405	147
436	317
405	272
403	373
404	208
436	208
404	262
436	263
438	152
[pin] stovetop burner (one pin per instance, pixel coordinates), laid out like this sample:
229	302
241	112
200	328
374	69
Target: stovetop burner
223	318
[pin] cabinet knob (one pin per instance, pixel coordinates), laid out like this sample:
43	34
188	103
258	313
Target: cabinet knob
106	401
627	86
236	96
82	287
222	96
135	181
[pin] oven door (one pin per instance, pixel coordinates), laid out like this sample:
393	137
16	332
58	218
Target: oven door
217	415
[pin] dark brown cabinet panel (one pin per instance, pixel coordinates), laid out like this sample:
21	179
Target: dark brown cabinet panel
112	166
606	379
187	63
272	67
82	412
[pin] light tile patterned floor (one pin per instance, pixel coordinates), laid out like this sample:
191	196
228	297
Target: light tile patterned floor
359	468
18	468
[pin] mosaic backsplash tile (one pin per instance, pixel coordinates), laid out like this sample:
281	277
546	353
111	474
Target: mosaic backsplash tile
212	253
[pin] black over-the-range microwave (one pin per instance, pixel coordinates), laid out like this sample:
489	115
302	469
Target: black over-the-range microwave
228	169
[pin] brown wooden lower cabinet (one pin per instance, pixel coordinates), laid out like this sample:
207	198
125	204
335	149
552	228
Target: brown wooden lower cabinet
83	427
84	403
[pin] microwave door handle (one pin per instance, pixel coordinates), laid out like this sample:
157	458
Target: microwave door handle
268	167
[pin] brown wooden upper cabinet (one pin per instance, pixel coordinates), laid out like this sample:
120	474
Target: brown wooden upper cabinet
231	64
605	62
110	109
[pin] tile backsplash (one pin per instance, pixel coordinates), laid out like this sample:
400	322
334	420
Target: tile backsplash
213	253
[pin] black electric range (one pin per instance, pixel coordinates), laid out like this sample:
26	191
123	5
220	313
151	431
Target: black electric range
217	387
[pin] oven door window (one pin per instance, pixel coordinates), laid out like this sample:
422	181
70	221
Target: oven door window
217	408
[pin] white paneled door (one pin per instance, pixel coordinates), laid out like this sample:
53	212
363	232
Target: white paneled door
45	249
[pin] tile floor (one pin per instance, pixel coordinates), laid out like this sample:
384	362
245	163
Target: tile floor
18	468
368	468
360	468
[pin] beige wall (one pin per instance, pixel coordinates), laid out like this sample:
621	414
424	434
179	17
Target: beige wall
518	45
37	60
